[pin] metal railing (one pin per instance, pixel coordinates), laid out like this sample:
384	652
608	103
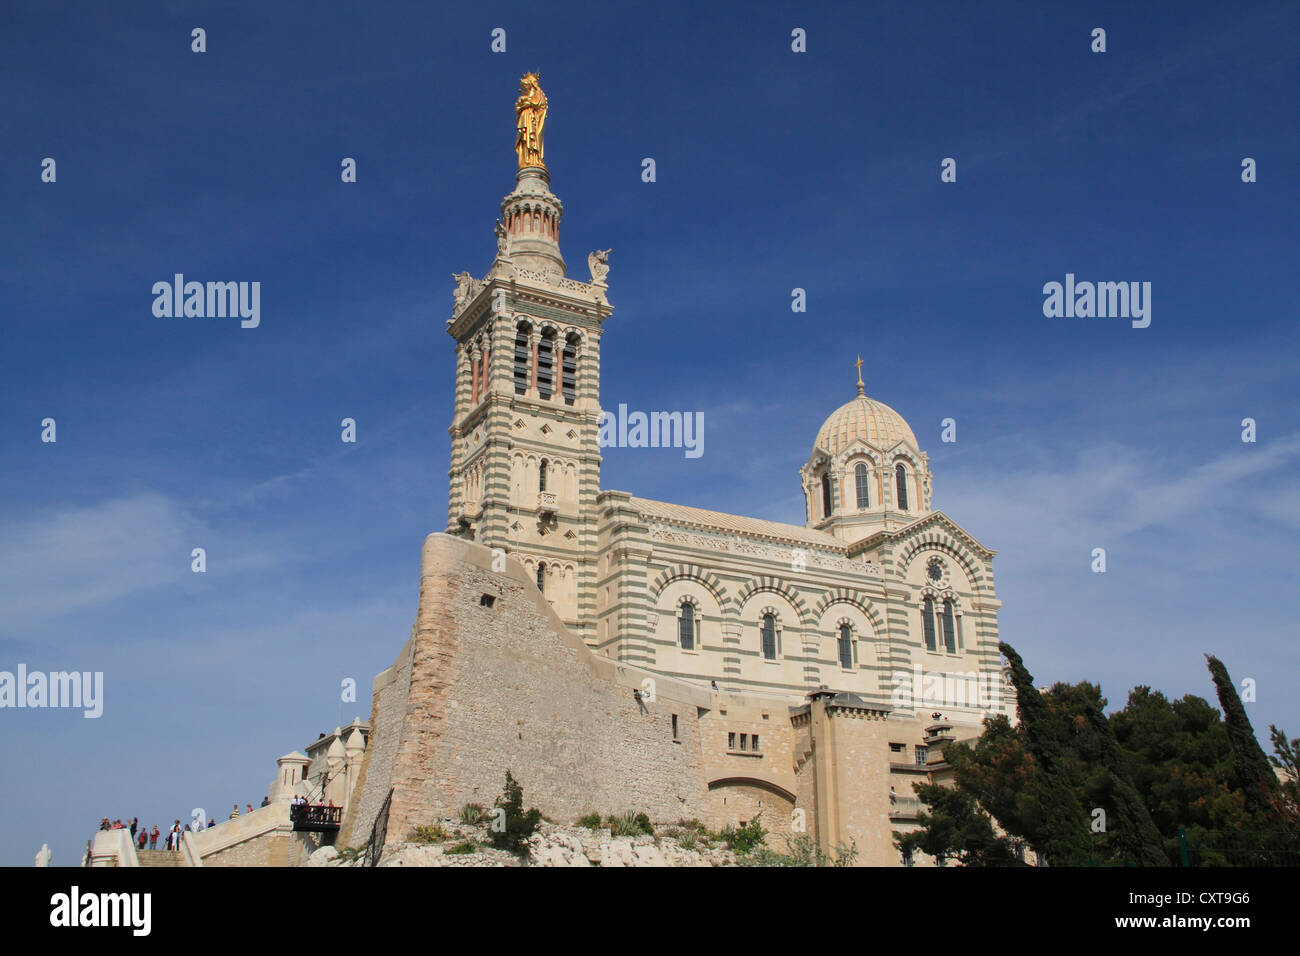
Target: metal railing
378	833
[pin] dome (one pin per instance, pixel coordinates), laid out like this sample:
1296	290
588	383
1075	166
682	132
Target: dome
863	418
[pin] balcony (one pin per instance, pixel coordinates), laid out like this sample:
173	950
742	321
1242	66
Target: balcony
903	808
546	503
313	818
939	733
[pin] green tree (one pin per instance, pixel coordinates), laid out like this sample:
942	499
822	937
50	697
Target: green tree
1286	754
1253	775
510	830
1180	760
955	827
1062	825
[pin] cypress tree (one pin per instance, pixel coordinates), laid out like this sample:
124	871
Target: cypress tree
1254	776
1066	840
1136	836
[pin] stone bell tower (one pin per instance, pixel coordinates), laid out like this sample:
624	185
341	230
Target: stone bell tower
525	450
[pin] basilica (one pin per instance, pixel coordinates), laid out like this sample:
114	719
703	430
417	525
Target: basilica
842	652
615	653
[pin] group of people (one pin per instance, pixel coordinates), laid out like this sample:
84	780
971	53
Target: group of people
144	836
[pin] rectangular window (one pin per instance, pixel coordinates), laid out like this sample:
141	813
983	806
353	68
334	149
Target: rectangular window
569	373
731	741
546	368
675	737
755	743
921	754
897	748
521	364
744	740
846	648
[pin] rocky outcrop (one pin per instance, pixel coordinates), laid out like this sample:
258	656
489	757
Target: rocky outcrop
551	845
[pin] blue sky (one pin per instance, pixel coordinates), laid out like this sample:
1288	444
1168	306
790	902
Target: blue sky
775	170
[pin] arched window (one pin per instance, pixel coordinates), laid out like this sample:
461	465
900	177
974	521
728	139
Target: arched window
860	479
769	637
900	480
521	360
541	474
541	577
927	623
546	366
686	628
846	647
569	370
826	495
949	631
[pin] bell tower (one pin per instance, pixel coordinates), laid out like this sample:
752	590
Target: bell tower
525	449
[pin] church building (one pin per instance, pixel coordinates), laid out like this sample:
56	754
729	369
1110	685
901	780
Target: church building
619	653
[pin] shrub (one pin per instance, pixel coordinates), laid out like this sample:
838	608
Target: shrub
473	814
630	824
803	851
688	839
349	853
465	846
433	833
745	838
518	826
591	821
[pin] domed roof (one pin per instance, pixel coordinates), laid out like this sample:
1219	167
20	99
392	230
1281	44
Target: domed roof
863	418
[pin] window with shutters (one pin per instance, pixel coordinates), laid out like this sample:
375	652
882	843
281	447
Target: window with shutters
569	371
546	366
521	360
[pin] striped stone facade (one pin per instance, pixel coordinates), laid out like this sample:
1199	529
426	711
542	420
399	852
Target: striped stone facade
853	646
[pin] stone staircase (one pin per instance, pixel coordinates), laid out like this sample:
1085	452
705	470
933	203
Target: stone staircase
159	858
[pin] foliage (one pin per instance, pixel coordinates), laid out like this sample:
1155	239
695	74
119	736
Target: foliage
629	824
473	814
1251	771
1152	768
1061	827
591	821
432	833
349	854
1180	761
1286	756
803	850
459	849
745	838
954	826
518	825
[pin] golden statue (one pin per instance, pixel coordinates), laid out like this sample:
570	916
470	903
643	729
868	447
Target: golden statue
530	118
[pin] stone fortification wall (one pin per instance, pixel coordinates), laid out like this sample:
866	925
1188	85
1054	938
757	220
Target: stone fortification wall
493	681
